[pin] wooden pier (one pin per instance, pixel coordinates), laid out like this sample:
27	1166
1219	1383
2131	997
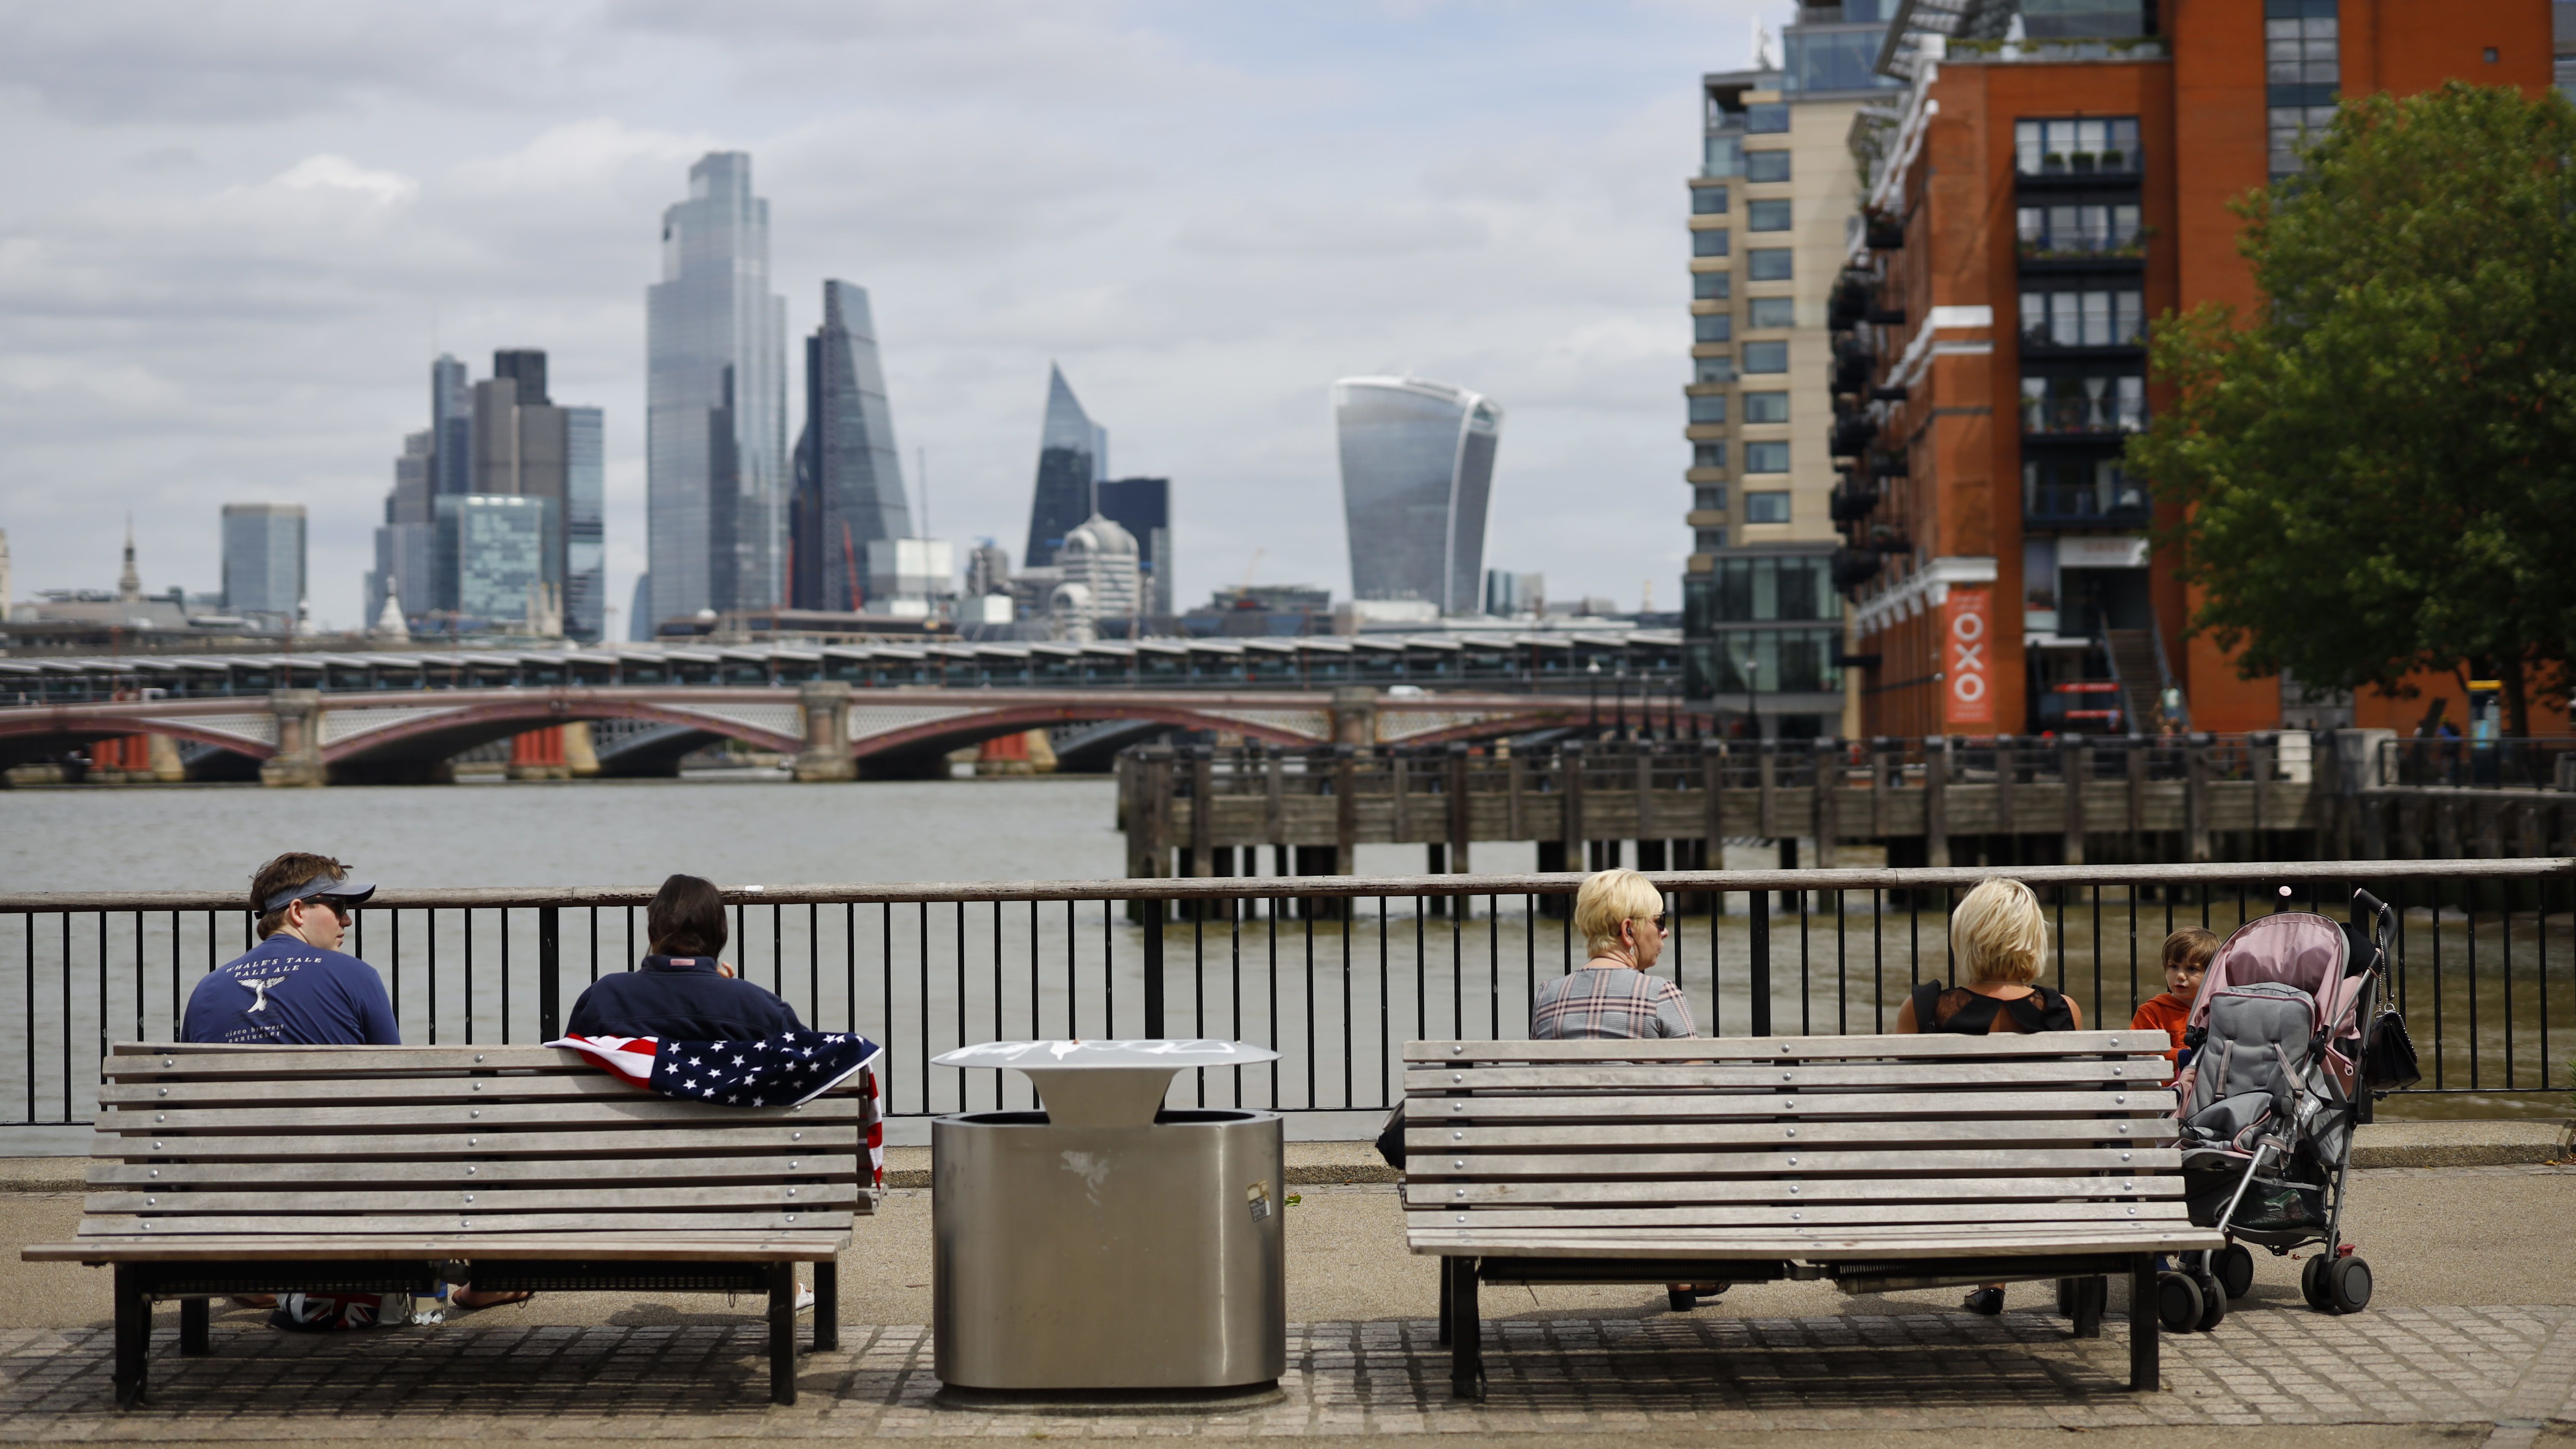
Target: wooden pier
1198	811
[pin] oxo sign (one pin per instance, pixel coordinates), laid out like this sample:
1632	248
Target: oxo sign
1967	657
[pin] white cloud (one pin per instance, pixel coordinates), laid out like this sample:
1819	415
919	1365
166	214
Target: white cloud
339	173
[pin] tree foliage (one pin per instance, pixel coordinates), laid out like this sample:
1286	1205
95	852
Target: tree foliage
2379	469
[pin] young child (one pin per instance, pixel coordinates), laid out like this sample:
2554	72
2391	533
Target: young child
2188	953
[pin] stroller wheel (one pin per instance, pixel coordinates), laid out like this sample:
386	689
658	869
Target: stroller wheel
2312	1284
2348	1284
2235	1269
2178	1304
2213	1301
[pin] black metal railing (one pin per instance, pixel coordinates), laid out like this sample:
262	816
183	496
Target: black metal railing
1337	973
2537	762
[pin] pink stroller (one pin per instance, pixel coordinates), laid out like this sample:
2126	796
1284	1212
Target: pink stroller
2269	1095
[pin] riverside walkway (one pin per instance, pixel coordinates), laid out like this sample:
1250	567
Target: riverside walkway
2472	1341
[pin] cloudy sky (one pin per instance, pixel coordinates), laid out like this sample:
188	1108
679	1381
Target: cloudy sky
233	233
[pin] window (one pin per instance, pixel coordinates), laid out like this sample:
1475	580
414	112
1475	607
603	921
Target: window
1709	455
1723	156
2293	128
1708	409
1766	357
2081	490
2077	231
1709	498
1766	407
1713	369
1770	119
1711	286
2083	319
1767	507
1772	264
1766	216
1708	200
2082	404
2076	147
1709	243
1820	59
1712	327
1768	590
1773	312
1775	661
1766	165
1766	458
2300	43
1707	540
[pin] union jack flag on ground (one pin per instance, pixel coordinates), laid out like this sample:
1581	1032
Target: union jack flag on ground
783	1069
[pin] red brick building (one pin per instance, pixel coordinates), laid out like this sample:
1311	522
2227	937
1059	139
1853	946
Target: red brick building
2042	193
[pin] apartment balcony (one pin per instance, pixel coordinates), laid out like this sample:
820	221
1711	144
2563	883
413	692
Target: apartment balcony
2107	503
1959	50
2084	416
1852	436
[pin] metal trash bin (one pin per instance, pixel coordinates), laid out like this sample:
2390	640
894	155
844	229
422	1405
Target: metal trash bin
1104	1243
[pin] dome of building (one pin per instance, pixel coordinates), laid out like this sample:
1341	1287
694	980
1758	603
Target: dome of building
1096	536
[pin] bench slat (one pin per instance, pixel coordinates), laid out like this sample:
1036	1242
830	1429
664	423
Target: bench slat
2028	1215
1685	1136
165	1202
1434	1164
1800	1106
828	1165
1848	1244
773	1136
2004	1194
1934	1045
638	1108
1685	1076
297	1093
473	1221
637	1247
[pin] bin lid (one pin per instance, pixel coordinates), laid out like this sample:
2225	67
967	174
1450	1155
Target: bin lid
1104	1083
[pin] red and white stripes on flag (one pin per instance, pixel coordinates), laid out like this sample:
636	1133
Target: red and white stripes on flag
781	1070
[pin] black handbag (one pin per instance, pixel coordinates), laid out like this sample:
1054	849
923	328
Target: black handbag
2388	1063
1390	1139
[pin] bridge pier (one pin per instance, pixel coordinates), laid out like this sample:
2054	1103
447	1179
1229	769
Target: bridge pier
298	761
826	755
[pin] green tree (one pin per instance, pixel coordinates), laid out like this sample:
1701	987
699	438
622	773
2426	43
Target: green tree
2379	468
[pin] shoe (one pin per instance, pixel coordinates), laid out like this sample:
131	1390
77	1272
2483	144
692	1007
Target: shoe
1988	1301
804	1298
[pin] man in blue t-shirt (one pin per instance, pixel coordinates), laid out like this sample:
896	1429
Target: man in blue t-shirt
295	988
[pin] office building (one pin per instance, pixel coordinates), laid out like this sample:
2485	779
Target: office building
909	578
849	474
716	456
1098	589
1073	458
264	562
1143	507
2051	179
1769	215
451	428
405	542
1508	594
988	570
583	563
639	612
1417	468
493	562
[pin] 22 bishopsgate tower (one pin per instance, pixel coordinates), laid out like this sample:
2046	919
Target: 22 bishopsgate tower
716	458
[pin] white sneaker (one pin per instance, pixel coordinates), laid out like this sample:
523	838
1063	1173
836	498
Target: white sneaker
804	1298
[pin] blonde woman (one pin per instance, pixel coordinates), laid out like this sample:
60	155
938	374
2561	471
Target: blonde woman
1621	916
2001	941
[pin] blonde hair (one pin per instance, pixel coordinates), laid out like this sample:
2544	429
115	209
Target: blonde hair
1998	933
1608	898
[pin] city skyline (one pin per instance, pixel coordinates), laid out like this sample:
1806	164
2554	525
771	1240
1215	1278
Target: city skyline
529	219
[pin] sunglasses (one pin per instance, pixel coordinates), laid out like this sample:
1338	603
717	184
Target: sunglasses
1661	920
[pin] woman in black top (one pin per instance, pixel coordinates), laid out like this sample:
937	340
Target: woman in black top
2001	940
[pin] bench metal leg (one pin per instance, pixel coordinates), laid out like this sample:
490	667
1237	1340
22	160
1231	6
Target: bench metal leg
1467	1333
194	1339
2145	1373
827	1306
2092	1298
1448	1277
782	1333
133	1334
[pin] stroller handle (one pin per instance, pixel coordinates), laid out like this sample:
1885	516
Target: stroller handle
2364	904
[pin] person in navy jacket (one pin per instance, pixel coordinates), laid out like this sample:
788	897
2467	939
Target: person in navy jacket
682	992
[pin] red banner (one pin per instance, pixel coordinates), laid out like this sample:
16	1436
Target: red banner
1967	659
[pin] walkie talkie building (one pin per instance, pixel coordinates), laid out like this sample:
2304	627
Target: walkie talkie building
1417	468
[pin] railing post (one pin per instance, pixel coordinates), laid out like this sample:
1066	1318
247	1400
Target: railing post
1758	905
1826	771
1936	802
1461	817
2195	797
2077	766
1154	912
549	972
1578	835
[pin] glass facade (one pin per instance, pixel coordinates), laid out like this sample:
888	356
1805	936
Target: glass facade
1760	357
1709	243
1073	458
1417	468
1766	165
264	558
1766	457
2076	146
2110	317
716	455
1766	216
2302	65
849	472
1777	661
2056	233
1708	408
1832	58
1772	312
492	558
1770	264
585	580
1766	407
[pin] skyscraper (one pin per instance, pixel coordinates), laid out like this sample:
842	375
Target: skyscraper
1417	466
716	464
1143	507
264	560
585	530
492	554
451	428
406	552
849	474
1073	456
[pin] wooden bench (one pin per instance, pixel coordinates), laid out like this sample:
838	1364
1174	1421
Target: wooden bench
223	1170
1878	1162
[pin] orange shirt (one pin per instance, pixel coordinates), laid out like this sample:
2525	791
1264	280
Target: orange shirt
2166	1013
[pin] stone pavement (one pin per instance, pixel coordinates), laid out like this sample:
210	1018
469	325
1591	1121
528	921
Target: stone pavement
2431	1369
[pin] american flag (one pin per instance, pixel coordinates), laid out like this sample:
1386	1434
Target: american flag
784	1069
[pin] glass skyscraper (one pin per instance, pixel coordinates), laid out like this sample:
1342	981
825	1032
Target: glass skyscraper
716	459
849	474
1073	458
264	559
492	551
1417	468
585	578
